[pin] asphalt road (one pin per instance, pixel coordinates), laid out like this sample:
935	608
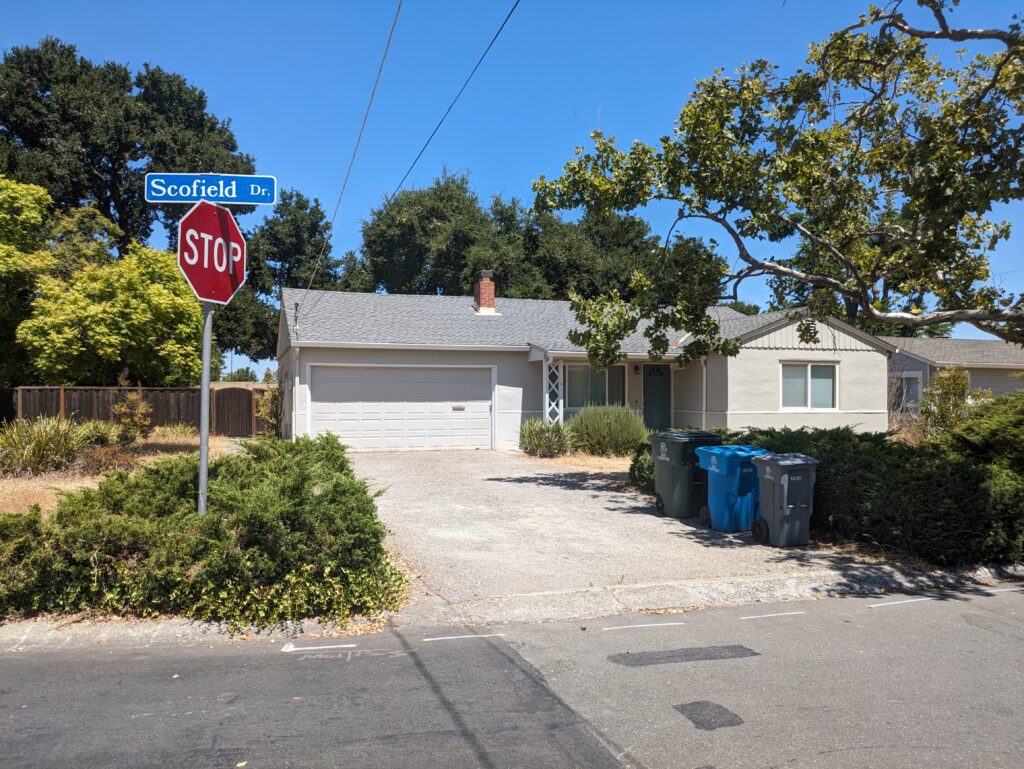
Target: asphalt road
894	681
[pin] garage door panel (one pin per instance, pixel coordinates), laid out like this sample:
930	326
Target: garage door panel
401	407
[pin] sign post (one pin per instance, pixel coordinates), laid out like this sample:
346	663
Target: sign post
211	256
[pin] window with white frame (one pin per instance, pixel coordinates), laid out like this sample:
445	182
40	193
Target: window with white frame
586	387
908	392
809	385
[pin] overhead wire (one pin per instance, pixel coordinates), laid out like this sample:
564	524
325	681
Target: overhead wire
352	160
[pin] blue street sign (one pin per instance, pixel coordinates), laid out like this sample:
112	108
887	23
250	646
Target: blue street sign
226	189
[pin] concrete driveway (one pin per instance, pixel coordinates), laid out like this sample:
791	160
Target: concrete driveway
491	536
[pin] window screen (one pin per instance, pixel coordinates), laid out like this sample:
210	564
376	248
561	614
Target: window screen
586	387
823	387
617	386
794	386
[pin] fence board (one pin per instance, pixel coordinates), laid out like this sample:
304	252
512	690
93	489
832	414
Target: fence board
170	405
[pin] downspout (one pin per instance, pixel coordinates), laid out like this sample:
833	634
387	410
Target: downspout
704	393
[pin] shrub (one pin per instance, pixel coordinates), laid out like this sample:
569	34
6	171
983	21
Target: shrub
175	430
641	467
994	432
947	401
95	460
268	407
291	533
607	430
132	415
38	445
540	439
101	432
930	501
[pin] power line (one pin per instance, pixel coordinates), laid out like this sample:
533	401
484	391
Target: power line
445	115
355	150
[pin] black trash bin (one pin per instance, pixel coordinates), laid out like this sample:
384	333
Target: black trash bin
787	498
680	485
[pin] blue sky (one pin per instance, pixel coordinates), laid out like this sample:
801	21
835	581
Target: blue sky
294	79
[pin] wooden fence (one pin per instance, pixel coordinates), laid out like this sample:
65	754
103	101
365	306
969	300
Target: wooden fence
232	409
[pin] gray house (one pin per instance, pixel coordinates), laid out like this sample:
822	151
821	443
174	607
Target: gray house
991	365
430	372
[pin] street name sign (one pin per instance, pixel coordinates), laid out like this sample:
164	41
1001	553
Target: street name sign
226	189
211	252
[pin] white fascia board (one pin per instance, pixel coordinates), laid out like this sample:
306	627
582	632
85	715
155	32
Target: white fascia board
387	346
577	355
945	364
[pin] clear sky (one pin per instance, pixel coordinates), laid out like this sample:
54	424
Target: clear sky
294	79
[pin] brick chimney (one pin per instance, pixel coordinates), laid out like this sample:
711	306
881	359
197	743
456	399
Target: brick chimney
483	293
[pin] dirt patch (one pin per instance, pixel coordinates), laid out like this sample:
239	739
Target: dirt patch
585	463
46	490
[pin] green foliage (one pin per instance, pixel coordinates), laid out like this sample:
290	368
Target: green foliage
291	533
438	238
880	161
641	467
244	374
744	308
606	430
994	432
929	501
38	445
24	209
268	410
540	439
947	401
135	318
175	430
88	133
101	432
291	248
133	416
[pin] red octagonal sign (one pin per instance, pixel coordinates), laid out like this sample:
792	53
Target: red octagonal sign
211	252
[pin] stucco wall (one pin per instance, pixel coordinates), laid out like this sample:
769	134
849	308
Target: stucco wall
755	398
285	373
999	381
517	395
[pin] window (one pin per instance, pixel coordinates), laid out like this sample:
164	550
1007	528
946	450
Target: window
587	387
808	385
908	393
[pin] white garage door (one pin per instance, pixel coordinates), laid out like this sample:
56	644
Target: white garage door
403	407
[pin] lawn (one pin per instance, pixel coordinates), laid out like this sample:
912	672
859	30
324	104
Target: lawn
17	494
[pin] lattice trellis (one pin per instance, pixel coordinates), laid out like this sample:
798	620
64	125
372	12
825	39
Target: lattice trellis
553	398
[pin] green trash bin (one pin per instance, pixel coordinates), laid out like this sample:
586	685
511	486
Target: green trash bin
680	485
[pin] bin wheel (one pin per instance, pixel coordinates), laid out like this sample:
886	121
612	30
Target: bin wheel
760	531
659	503
705	516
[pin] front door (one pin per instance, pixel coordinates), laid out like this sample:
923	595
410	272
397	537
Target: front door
658	396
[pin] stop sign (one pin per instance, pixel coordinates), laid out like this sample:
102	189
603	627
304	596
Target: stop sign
211	252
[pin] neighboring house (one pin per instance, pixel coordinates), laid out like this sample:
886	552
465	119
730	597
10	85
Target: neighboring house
389	371
991	364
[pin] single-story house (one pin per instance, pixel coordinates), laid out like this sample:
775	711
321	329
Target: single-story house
388	371
990	363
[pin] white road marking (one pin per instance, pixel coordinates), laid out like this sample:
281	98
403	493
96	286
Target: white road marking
897	603
645	624
1004	590
457	637
290	647
781	614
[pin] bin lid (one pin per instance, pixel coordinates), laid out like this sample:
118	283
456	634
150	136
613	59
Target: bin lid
688	436
739	451
791	459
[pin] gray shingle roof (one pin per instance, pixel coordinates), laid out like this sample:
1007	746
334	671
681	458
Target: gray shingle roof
337	317
964	352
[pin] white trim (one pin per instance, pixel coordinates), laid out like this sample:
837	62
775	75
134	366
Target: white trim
808	408
1015	366
390	346
625	383
494	386
919	376
790	411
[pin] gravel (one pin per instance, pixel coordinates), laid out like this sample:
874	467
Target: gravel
496	537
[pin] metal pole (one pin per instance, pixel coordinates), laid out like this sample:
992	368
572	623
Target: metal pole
204	408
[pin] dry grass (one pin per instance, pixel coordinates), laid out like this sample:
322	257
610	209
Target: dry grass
18	494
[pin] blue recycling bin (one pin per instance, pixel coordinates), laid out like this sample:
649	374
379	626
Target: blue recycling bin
732	485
